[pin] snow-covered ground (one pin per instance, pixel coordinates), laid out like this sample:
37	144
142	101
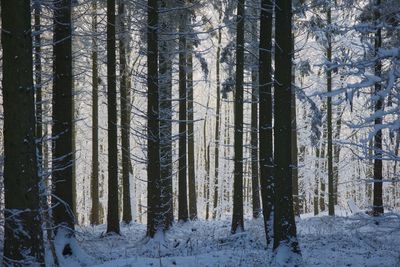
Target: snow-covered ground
357	240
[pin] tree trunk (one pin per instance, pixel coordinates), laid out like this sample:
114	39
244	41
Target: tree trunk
322	166
207	180
331	199
94	216
38	87
23	237
316	181
336	153
154	220
182	166
255	187
112	211
284	223
75	115
217	121
294	152
378	201
63	120
265	117
227	155
370	171
125	116
317	178
237	216
206	163
42	145
190	114
246	165
165	81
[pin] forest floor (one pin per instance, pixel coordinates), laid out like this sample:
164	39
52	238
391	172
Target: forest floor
356	240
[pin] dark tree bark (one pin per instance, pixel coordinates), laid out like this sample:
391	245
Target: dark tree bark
227	151
23	237
265	117
322	167
316	181
284	223
336	153
190	132
370	170
206	149
165	70
254	159
62	131
237	216
154	220
94	216
217	120
255	168
38	86
125	116
112	211
378	201
182	162
331	199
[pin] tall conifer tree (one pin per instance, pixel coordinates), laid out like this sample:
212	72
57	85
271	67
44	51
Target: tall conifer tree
112	214
237	217
23	239
284	222
62	132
